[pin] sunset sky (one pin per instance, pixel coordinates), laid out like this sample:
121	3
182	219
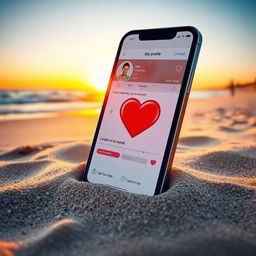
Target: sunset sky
59	44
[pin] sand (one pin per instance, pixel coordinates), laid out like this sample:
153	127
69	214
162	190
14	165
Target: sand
209	207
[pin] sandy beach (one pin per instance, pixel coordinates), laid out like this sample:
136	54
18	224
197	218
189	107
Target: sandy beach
208	209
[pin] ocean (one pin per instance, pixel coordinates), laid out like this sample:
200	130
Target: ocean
19	104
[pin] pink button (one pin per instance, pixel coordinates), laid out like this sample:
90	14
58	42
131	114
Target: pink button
108	153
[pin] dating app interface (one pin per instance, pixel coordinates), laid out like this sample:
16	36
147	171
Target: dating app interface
139	112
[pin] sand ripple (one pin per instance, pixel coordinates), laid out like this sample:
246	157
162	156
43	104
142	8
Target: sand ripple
200	141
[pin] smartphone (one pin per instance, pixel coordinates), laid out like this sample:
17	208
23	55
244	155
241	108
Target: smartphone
138	128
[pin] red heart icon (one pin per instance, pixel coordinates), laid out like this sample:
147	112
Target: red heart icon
153	162
138	117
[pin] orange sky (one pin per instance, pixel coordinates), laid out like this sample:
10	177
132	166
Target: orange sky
72	44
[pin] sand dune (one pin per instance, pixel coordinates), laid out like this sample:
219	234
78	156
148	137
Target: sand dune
50	211
208	208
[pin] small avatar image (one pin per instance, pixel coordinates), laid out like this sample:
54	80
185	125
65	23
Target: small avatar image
124	71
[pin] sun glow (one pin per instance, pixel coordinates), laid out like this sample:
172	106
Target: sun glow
98	76
99	82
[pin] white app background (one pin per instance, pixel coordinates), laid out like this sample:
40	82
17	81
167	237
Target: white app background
149	145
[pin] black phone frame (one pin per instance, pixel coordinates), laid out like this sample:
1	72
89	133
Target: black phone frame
156	34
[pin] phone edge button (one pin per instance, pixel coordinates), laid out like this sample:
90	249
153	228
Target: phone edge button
190	81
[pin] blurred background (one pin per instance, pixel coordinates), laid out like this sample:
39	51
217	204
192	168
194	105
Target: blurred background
56	55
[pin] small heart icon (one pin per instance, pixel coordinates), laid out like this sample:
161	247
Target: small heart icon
138	117
178	68
153	162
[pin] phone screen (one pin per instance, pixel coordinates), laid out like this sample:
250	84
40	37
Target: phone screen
139	111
